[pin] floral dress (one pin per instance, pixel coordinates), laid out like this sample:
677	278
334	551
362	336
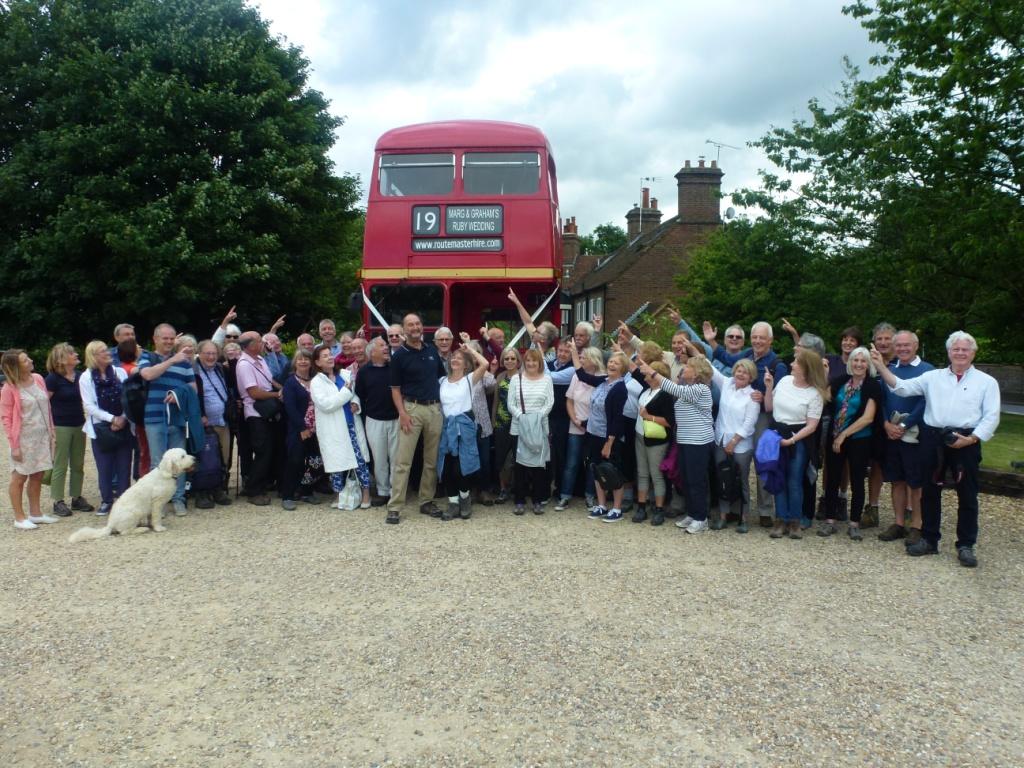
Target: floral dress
36	455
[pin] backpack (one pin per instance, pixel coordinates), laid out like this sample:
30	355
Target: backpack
134	391
728	476
208	474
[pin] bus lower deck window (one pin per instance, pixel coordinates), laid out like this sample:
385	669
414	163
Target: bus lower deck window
394	302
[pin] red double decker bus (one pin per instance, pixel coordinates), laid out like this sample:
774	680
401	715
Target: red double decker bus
458	212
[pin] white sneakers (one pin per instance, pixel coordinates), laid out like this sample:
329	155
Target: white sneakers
43	519
692	526
32	522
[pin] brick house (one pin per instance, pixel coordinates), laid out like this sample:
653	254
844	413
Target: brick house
643	270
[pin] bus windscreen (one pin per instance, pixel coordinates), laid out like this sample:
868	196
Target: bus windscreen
501	173
403	175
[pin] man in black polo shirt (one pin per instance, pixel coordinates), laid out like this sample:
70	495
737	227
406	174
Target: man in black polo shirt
416	371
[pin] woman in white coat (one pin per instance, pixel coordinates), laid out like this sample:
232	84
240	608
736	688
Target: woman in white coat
338	428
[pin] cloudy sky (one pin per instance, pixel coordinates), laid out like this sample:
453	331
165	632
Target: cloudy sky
622	90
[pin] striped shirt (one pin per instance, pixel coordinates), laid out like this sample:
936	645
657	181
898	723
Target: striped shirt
178	375
538	395
694	422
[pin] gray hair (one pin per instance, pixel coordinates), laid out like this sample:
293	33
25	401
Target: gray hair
911	334
444	329
883	327
764	326
740	329
548	331
812	342
956	336
860	352
586	327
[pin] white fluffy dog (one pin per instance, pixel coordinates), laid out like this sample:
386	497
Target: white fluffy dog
143	503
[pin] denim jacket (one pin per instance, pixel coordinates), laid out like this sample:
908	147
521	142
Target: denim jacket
458	438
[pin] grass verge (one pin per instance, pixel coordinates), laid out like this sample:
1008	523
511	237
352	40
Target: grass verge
1007	445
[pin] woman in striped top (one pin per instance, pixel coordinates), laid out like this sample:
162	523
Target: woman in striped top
695	435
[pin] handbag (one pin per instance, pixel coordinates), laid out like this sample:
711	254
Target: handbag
107	439
269	409
608	476
654	431
351	495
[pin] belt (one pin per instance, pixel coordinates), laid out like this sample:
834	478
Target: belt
421	402
961	430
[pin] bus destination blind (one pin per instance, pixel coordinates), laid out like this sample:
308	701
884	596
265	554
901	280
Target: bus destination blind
467	228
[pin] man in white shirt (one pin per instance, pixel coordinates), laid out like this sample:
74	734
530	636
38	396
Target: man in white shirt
961	411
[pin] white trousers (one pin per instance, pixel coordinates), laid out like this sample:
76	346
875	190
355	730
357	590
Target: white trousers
382	437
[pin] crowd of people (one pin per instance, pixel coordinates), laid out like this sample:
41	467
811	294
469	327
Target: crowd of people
634	428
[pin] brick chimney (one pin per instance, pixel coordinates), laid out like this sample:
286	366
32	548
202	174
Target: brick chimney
570	250
700	192
644	217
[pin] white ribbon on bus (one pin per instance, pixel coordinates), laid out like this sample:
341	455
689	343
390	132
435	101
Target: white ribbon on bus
533	317
373	309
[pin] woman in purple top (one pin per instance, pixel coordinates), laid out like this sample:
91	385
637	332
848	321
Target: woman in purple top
68	418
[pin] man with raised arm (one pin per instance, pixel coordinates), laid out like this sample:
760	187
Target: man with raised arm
961	410
903	458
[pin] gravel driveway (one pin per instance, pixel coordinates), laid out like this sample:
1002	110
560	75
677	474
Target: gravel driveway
249	636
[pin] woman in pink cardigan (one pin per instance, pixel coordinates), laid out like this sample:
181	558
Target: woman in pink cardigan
25	413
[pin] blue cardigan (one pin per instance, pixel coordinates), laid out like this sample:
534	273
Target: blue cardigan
296	401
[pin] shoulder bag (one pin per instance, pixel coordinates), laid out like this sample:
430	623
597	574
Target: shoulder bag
269	409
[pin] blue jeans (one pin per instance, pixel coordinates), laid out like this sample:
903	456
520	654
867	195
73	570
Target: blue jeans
161	438
789	503
573	459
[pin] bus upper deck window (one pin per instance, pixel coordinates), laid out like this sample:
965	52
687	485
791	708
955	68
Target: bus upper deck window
501	173
402	175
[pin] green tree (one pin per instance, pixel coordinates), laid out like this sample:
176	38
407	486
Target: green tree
161	161
754	270
606	238
916	175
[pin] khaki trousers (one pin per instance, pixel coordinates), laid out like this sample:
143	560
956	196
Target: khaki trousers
426	420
